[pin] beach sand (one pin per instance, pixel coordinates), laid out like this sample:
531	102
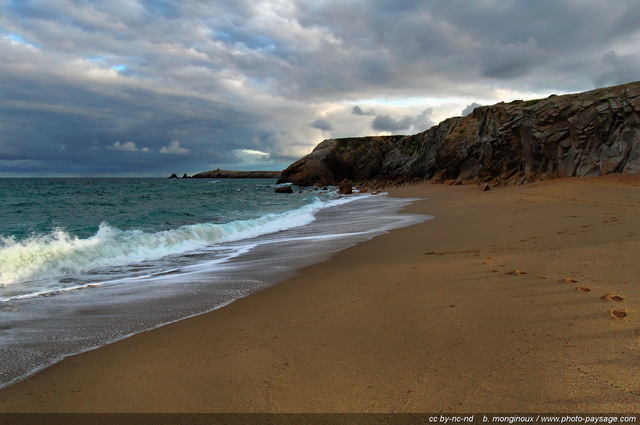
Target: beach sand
493	306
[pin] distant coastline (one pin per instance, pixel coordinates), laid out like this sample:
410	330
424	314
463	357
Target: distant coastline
226	174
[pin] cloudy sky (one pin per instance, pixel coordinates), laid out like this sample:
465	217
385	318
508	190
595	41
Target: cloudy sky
153	87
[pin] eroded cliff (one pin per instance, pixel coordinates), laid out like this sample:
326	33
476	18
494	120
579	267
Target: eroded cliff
590	133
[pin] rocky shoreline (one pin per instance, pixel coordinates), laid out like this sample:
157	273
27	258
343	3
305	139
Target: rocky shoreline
585	134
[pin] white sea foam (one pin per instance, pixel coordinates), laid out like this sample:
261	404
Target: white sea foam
60	254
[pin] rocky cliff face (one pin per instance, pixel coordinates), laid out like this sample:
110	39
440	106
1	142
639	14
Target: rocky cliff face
591	133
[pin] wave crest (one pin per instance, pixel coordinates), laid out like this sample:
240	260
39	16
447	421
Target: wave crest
59	254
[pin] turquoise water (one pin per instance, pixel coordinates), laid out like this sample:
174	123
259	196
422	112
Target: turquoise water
85	262
39	206
55	232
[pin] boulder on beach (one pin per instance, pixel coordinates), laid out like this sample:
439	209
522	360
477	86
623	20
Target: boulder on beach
345	187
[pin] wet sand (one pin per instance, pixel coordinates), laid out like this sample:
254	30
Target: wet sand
519	299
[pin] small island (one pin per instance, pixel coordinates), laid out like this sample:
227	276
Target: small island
226	174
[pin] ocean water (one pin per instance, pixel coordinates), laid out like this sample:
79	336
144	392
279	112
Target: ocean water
85	262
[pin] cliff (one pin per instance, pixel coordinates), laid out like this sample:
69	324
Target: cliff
225	174
591	133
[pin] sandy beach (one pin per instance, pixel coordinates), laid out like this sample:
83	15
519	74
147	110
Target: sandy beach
518	299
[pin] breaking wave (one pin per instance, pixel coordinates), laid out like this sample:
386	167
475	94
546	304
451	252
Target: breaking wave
60	254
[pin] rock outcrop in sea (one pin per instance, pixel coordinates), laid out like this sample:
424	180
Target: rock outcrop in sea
591	133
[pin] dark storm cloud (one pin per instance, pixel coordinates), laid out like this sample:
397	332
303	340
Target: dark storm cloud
619	69
145	87
418	123
386	123
446	44
357	110
322	124
512	60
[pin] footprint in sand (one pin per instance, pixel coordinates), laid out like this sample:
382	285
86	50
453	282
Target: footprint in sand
516	272
619	313
583	288
529	239
612	297
568	280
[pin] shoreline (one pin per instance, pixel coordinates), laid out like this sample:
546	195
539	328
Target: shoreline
423	318
42	330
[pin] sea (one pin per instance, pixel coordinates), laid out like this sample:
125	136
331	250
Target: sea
88	261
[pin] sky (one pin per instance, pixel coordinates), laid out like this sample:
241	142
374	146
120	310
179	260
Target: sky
155	87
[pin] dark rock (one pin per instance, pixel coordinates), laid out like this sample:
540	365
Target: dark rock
469	169
283	189
590	133
185	176
345	187
334	160
173	176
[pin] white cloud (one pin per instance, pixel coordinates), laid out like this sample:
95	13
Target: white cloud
251	155
127	146
174	148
